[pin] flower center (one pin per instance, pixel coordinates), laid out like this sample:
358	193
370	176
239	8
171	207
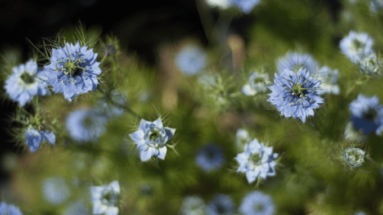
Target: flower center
27	78
258	207
358	45
297	90
356	156
255	159
109	197
370	115
71	67
154	135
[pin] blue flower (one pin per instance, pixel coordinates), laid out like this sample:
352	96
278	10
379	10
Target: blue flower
257	160
329	80
191	60
55	190
33	138
77	208
24	83
295	94
369	64
354	157
376	5
257	83
193	205
245	6
293	61
86	124
73	70
221	205
356	45
151	138
257	203
6	209
366	114
105	198
210	158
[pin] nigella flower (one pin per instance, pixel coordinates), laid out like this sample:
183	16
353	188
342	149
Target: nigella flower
295	94
193	205
191	60
73	70
151	138
221	205
366	114
33	138
257	203
218	3
24	83
369	64
257	160
353	135
210	158
356	45
85	124
354	157
77	208
105	198
55	190
376	5
6	209
257	83
293	61
245	6
242	138
329	80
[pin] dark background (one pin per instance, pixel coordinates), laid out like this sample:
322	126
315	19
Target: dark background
140	26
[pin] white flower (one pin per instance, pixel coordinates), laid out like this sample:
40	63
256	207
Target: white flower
218	3
105	198
354	157
193	205
242	137
369	64
151	138
257	83
257	160
329	80
356	45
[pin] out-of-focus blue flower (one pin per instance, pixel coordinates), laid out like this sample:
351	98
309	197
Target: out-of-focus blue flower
6	209
257	160
294	61
295	94
77	208
245	6
55	190
376	5
360	213
210	158
33	138
329	80
105	198
366	114
25	82
242	138
221	205
369	64
257	83
113	105
356	45
193	205
191	60
218	3
354	157
86	124
73	70
151	138
257	203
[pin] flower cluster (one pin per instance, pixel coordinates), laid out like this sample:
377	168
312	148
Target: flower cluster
257	160
25	83
151	139
295	94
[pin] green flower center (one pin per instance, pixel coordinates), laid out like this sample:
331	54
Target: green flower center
27	78
358	45
298	90
357	156
154	135
255	158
